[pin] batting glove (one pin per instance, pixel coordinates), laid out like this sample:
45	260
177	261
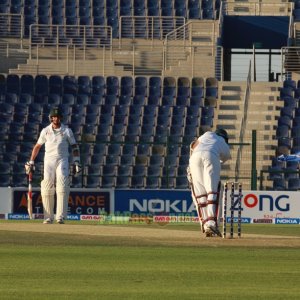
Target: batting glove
77	168
29	167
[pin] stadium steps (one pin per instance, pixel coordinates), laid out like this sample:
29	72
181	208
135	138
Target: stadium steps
12	52
63	67
203	36
263	110
297	34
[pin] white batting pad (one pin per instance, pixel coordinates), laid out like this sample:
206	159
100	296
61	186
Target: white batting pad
62	195
212	207
47	192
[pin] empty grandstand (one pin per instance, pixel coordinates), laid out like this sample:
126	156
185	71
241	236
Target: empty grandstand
139	80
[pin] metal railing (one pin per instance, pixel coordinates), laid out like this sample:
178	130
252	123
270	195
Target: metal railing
79	35
145	27
258	8
243	124
12	26
290	60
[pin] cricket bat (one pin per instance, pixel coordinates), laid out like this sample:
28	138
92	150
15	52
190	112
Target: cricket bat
29	196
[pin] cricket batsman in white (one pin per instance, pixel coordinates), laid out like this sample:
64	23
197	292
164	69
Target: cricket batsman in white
57	137
206	155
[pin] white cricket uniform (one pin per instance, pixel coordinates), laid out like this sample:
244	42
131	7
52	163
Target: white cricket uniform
205	168
56	170
57	143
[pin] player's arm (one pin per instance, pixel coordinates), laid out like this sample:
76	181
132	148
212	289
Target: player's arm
29	166
35	151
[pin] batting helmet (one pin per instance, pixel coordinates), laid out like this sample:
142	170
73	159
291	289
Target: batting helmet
223	133
55	112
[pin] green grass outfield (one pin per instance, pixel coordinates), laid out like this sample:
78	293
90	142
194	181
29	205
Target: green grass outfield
67	262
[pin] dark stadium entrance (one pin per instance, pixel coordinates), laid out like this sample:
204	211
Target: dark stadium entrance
256	38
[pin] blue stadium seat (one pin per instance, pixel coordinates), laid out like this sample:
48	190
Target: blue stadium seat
99	149
290	84
82	99
13	84
97	159
183	86
168	100
143	149
139	170
123	182
137	182
11	98
93	182
139	11
125	8
98	85
153	100
70	85
282	132
161	120
152	182
112	85
182	101
287	111
2	85
211	90
41	85
108	170
293	184
55	85
84	85
126	85
68	99
124	170
140	85
208	14
285	120
292	167
97	99
279	184
135	110
155	85
139	100
181	183
194	13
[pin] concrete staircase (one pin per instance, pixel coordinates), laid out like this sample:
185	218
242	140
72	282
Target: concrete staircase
262	113
198	58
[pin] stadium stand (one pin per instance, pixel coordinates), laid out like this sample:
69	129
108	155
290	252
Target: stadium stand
123	115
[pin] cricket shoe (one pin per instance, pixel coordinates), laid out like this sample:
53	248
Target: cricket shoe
60	221
214	229
208	232
48	221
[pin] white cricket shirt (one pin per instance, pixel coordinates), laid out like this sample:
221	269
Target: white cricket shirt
56	141
215	144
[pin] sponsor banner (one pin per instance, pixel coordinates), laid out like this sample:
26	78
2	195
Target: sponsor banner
81	202
293	221
165	219
154	202
269	205
263	221
92	218
18	217
235	220
73	217
38	216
